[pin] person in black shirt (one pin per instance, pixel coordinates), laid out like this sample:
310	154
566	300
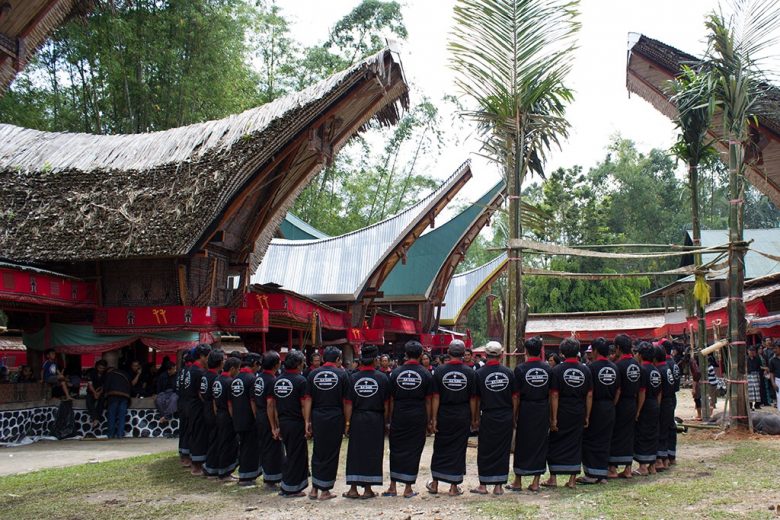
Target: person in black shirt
411	387
571	399
774	372
328	389
314	362
139	379
199	434
271	454
226	441
242	410
214	362
496	391
597	436
95	397
666	410
454	410
367	418
532	379
185	392
672	364
754	378
117	389
166	400
646	429
288	417
621	449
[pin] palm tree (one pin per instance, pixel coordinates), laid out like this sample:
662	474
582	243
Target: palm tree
737	47
511	58
692	95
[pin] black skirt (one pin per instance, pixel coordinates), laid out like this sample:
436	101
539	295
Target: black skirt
199	432
248	455
596	439
665	423
328	429
532	438
621	449
227	447
495	442
671	442
564	456
271	450
407	440
646	433
366	448
212	453
184	432
295	471
448	462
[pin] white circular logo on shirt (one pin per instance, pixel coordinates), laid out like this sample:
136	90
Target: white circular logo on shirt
607	376
455	381
283	388
408	380
187	379
204	385
496	382
326	380
632	373
676	370
237	388
574	377
216	389
655	378
366	387
259	386
670	376
537	377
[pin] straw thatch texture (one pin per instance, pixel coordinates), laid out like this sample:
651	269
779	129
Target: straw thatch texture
77	197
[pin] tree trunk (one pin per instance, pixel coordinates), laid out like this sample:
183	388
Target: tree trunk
515	311
701	337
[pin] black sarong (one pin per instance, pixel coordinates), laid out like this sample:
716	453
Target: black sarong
646	433
184	432
671	441
226	447
366	448
328	429
271	450
199	434
495	442
665	424
448	462
596	439
248	455
532	439
621	449
564	455
407	440
212	453
295	471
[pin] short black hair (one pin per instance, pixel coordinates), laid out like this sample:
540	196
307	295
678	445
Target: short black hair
660	354
646	351
294	359
101	363
624	343
251	360
555	357
413	349
534	346
231	363
48	351
601	346
570	347
202	350
331	354
216	357
270	360
315	354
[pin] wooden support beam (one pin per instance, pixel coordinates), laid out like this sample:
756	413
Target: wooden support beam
184	293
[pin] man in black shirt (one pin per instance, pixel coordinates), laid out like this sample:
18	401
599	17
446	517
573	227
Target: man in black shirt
454	410
366	417
242	409
774	372
227	445
496	391
117	389
95	396
621	450
214	362
328	389
754	378
199	434
647	413
411	387
185	392
666	410
288	417
270	448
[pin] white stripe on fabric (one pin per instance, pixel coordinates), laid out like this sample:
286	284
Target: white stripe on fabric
251	474
564	467
493	479
276	477
364	478
184	451
524	472
450	479
661	454
198	458
597	472
644	458
323	483
287	488
403	477
621	460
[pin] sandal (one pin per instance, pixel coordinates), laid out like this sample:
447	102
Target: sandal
412	495
389	494
477	491
458	492
510	487
327	497
429	487
351	497
533	489
368	495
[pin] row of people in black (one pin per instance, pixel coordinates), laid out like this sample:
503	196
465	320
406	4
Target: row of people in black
247	415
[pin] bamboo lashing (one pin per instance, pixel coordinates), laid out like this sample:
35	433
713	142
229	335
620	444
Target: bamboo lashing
533	247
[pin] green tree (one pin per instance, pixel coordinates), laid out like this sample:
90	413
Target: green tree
361	32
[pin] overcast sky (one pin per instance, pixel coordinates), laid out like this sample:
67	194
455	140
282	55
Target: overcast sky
601	108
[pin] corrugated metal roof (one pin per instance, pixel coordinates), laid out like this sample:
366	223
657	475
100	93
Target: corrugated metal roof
427	255
464	286
748	296
293	228
594	323
338	268
764	240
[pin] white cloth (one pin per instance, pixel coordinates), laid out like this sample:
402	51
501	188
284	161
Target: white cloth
777	384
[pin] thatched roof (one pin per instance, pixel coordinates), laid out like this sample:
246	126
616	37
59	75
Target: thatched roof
25	27
79	197
651	64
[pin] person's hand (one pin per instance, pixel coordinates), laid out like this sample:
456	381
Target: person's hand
475	425
346	430
387	429
308	430
553	425
587	422
277	433
434	426
636	419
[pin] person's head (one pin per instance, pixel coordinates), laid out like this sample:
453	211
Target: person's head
533	346
414	350
589	353
751	352
666	345
553	359
355	364
624	344
135	366
316	360
332	354
271	361
294	360
101	366
468	355
768	342
26	371
384	361
188	356
368	355
777	346
215	360
232	366
660	354
425	359
646	351
494	351
251	360
569	348
601	347
50	354
457	349
202	352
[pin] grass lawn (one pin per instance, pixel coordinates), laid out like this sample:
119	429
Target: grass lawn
724	478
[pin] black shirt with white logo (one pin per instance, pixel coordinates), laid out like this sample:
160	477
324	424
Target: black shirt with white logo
455	383
369	389
410	383
188	390
495	386
328	386
207	391
667	380
571	379
675	372
195	379
651	380
220	391
630	376
264	386
289	391
241	390
532	379
606	379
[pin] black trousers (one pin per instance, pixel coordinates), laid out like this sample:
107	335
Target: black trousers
271	450
95	407
407	440
495	441
295	471
328	430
